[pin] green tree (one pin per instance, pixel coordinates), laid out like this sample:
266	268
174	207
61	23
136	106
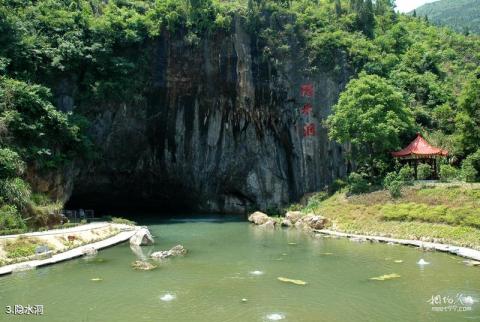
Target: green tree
11	164
468	120
372	116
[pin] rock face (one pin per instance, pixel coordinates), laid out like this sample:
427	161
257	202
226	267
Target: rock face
178	250
142	238
219	128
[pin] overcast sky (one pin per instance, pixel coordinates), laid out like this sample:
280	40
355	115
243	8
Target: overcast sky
409	5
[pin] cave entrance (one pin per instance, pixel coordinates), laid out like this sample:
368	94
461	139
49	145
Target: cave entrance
140	204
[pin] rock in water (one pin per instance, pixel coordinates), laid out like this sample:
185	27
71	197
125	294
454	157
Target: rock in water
143	266
161	254
293	216
287	223
142	238
258	218
178	250
270	224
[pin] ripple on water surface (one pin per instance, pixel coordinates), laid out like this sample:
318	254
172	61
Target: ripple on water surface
256	273
168	297
275	317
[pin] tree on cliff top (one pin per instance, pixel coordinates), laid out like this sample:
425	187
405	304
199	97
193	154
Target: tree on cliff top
372	116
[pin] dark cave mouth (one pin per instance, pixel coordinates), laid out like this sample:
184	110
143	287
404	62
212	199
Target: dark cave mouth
135	204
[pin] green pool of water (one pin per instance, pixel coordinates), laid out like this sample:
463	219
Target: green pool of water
219	271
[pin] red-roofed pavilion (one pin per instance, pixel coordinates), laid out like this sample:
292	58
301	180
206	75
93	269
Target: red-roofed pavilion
420	150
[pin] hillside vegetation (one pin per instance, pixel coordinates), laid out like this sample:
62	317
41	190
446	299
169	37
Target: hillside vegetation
441	213
406	76
461	15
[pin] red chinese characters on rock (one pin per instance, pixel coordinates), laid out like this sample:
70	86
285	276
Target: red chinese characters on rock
306	90
307	109
309	130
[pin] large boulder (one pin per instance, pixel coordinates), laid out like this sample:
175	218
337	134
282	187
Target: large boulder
258	218
178	250
287	223
143	266
314	221
293	216
142	238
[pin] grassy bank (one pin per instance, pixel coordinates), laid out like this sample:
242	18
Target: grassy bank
445	213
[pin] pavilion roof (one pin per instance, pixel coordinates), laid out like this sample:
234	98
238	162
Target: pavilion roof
419	148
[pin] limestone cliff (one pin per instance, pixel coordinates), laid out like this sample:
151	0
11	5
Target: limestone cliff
223	129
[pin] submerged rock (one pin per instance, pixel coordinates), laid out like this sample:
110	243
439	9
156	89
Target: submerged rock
258	218
289	280
143	266
385	277
96	279
178	250
142	238
300	225
270	224
472	263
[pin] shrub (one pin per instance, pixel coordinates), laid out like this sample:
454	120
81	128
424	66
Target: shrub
393	182
389	178
11	165
338	184
447	173
406	175
395	188
293	207
471	167
12	231
15	191
118	220
468	172
424	171
357	183
10	218
315	200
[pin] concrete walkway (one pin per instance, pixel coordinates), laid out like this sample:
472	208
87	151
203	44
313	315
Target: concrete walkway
61	231
456	250
125	233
